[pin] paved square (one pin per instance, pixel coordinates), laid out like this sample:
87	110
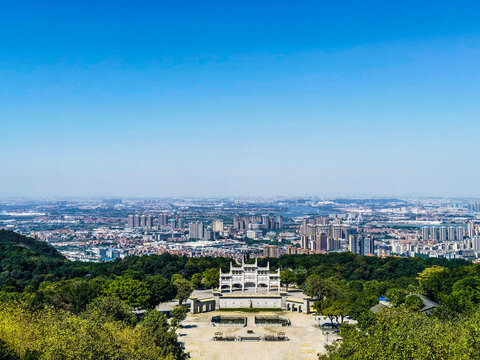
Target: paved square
305	338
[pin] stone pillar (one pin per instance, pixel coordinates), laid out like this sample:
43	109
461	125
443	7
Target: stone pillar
306	305
216	297
193	305
243	281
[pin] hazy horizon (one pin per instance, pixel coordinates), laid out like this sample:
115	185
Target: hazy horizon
143	99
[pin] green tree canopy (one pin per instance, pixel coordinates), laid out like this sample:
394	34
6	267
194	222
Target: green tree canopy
413	302
211	278
184	289
136	293
178	313
395	296
287	277
111	309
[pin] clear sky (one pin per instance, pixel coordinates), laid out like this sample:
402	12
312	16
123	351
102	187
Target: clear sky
214	98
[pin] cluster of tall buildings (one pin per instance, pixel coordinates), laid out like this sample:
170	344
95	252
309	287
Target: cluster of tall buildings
475	206
140	221
147	221
443	233
451	233
362	244
473	229
196	230
163	220
318	235
271	251
265	222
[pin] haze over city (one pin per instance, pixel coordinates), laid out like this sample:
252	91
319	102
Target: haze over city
239	98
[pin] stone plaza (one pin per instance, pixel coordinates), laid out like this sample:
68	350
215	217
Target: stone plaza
305	339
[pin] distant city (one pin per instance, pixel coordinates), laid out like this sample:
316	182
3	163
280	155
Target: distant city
106	229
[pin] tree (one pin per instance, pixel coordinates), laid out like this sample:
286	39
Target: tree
111	309
413	302
197	281
315	287
178	313
331	309
402	334
176	277
319	288
300	278
57	334
465	295
431	281
161	290
395	296
6	353
135	292
287	277
376	288
80	292
184	289
211	278
165	338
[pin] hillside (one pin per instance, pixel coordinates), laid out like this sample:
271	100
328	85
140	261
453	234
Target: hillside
10	240
24	261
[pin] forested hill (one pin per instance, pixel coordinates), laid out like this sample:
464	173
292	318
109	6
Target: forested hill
12	242
24	261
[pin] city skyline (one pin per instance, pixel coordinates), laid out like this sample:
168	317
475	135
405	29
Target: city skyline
227	99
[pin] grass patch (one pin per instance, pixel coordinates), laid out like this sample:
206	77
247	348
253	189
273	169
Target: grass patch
250	310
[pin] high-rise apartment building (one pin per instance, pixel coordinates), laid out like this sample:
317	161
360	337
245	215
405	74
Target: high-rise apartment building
217	226
271	251
471	228
451	233
136	221
361	244
280	222
195	230
353	244
163	220
443	234
332	244
131	223
368	247
425	233
208	234
475	242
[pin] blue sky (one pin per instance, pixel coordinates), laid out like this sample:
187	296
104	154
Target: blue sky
214	98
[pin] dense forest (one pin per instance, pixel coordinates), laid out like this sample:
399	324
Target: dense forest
52	308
